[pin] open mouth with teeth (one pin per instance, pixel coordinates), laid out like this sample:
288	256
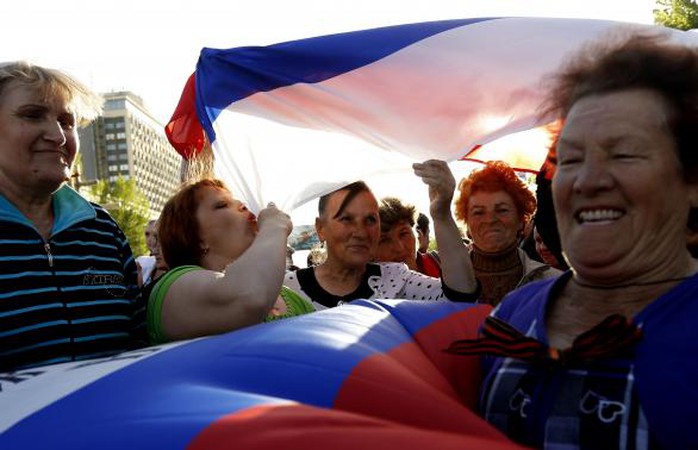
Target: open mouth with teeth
599	215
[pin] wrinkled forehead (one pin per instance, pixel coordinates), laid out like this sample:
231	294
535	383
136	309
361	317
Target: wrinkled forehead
486	198
623	112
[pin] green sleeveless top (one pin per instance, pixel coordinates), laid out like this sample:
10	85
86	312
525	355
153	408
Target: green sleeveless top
295	304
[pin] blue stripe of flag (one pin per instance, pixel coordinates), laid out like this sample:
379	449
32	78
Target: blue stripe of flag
226	76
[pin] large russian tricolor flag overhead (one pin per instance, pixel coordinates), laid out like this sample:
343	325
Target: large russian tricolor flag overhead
294	120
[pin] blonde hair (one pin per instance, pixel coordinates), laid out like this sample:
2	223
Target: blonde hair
84	103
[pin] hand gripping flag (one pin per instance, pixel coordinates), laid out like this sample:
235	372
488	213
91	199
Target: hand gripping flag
292	121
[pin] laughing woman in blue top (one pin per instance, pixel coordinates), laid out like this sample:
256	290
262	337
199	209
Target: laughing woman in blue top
67	275
608	360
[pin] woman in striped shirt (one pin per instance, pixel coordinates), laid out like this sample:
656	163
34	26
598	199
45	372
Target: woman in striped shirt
67	275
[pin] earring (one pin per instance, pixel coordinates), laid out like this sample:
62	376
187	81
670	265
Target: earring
205	252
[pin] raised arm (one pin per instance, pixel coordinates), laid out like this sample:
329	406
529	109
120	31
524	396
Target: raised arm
456	268
204	302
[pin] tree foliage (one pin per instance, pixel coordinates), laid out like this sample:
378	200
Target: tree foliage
129	208
679	14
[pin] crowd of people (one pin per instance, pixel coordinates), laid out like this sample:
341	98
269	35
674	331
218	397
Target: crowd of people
349	225
591	281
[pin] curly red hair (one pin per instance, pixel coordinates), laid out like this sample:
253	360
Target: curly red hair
496	176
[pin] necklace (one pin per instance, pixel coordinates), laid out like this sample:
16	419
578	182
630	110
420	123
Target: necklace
621	286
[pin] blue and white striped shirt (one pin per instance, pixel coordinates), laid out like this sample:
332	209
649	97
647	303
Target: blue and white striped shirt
71	297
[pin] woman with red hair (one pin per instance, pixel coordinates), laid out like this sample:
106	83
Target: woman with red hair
226	265
495	205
